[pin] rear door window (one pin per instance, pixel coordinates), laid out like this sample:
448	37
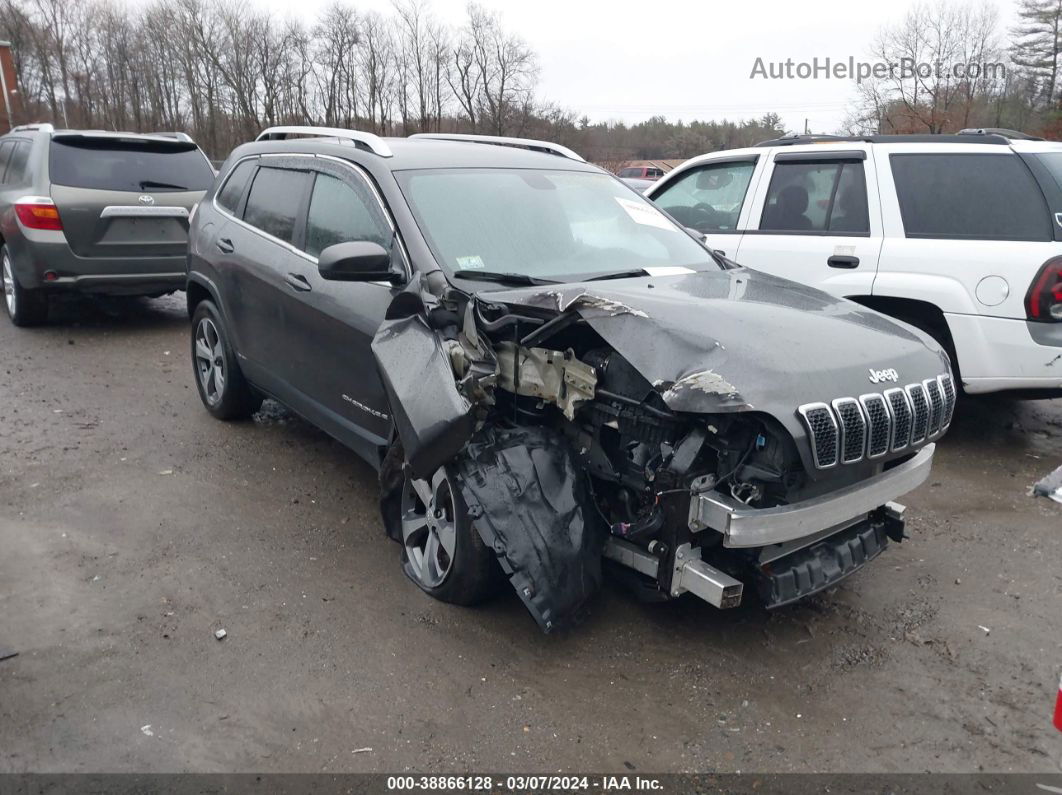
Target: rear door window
810	197
969	196
128	165
341	213
708	199
231	192
275	200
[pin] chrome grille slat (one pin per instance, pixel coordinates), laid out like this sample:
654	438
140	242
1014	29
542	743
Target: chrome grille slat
822	429
936	405
920	408
947	387
849	430
900	406
853	429
879	423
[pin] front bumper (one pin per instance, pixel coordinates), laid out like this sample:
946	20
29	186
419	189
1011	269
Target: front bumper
742	526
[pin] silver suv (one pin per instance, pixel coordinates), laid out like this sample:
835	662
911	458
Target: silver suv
94	211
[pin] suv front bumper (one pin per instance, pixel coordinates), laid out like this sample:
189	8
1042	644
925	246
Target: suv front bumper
742	526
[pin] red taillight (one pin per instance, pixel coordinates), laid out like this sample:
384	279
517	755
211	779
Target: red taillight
1044	299
38	212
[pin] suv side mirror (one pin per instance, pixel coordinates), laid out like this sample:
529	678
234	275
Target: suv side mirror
357	261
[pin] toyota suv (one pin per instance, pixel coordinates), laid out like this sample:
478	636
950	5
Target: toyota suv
94	211
959	235
550	373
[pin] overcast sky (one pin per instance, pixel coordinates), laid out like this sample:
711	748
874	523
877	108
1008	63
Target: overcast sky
683	59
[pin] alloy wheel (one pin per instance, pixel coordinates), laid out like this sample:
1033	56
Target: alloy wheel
429	527
9	286
210	361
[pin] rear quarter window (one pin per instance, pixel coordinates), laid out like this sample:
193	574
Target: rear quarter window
128	165
232	191
16	167
969	196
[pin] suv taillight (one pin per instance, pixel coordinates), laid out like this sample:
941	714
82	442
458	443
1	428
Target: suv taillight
38	212
1044	299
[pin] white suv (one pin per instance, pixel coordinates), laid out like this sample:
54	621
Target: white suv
960	235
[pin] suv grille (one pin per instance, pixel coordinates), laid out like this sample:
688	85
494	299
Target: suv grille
851	430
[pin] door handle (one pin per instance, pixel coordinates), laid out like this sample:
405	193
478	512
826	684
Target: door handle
843	261
297	282
225	245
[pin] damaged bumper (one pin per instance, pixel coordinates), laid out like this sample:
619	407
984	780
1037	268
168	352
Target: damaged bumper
750	527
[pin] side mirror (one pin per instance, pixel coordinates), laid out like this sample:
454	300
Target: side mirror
358	261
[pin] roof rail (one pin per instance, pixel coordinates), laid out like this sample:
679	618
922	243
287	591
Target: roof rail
364	140
522	143
985	136
41	126
1014	135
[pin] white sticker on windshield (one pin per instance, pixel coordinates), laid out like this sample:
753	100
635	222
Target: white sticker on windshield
645	214
668	270
473	263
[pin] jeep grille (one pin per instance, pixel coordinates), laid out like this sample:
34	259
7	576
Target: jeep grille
854	429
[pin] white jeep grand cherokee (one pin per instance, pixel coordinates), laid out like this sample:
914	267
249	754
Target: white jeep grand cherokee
960	235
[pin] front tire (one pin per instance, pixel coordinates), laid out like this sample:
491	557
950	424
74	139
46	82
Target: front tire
441	551
222	388
25	307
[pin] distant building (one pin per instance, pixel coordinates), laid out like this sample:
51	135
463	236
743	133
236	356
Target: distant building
647	169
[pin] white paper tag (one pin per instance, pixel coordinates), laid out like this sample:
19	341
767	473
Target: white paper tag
669	270
645	214
473	263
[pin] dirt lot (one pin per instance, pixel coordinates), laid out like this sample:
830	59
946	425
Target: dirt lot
132	525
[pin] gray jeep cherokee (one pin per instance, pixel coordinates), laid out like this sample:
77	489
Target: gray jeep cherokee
551	373
94	211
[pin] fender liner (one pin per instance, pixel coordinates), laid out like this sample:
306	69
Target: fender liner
530	504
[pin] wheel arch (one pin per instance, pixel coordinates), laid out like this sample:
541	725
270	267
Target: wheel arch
922	314
199	289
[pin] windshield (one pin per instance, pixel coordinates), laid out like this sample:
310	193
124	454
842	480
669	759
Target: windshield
112	164
551	225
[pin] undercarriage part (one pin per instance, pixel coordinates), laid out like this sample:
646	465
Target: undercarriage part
554	376
527	497
432	418
695	576
826	563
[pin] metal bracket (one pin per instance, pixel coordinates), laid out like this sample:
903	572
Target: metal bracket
694	575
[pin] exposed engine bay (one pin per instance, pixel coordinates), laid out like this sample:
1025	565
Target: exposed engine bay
567	454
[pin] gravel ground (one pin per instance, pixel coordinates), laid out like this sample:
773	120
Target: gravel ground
132	526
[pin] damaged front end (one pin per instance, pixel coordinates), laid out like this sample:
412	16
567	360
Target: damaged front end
580	425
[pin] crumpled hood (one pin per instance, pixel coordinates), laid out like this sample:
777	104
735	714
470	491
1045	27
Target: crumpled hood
742	340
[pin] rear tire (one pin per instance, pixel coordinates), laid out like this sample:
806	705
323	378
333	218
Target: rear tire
25	307
222	388
441	550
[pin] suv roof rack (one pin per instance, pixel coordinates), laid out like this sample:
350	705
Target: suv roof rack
499	140
985	135
1013	135
41	126
368	141
180	136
